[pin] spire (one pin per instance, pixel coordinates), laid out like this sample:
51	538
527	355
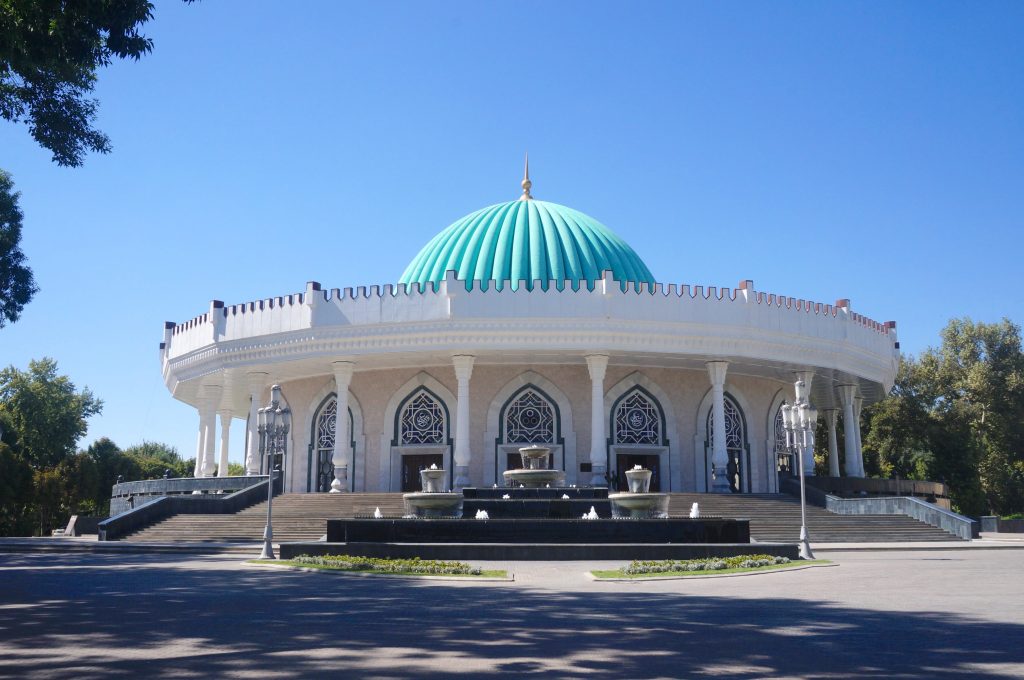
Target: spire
526	181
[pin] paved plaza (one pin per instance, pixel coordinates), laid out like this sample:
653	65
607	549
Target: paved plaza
886	614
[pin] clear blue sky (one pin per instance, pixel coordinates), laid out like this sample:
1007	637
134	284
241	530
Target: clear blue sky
866	150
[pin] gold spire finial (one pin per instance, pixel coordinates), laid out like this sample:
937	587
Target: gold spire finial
526	181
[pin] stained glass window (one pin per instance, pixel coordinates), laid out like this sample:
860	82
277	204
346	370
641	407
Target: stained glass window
421	420
530	419
637	420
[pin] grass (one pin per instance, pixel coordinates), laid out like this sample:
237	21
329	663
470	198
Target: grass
619	573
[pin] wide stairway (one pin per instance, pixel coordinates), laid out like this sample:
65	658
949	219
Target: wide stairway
773	518
776	518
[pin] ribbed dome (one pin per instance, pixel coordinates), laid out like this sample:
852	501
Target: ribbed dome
527	240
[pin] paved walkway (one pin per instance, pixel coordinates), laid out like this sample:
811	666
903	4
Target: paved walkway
877	614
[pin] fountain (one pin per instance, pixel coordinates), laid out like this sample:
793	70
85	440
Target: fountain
433	500
535	473
639	502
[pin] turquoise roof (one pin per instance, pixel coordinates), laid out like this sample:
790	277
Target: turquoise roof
527	240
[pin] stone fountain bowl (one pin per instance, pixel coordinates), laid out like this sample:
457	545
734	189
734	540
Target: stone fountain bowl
639	480
534	479
639	505
535	457
432	480
433	504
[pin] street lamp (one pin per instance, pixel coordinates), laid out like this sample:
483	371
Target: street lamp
799	421
272	425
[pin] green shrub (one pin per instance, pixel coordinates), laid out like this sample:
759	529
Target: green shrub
387	566
708	564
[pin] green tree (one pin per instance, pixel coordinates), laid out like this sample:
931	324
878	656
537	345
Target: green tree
16	493
46	412
50	51
17	285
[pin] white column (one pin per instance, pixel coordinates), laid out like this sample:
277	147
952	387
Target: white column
857	402
846	395
225	434
211	397
463	370
597	365
807	377
831	415
339	458
197	471
719	454
257	381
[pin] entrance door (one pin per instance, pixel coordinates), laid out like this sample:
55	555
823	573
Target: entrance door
626	461
411	466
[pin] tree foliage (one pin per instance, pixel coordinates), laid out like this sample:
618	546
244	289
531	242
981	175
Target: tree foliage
45	410
50	51
17	285
956	415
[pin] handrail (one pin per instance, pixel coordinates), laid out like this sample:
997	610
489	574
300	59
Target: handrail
929	513
156	508
844	486
181	485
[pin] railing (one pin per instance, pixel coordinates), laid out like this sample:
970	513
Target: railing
154	508
929	513
844	487
958	525
127	495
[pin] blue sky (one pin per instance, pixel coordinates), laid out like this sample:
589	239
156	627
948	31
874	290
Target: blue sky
825	150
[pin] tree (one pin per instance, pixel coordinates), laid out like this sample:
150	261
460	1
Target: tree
153	459
50	51
46	412
16	283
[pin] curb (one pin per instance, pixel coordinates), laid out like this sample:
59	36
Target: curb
795	567
423	577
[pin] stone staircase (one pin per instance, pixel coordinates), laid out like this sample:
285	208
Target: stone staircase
776	518
773	518
297	517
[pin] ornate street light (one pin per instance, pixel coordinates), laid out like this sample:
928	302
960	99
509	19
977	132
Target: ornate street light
272	425
799	421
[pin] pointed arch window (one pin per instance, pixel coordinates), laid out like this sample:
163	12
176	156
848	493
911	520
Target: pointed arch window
422	420
324	431
735	443
529	419
637	420
782	456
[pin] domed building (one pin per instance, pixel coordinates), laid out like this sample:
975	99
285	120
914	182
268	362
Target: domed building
528	322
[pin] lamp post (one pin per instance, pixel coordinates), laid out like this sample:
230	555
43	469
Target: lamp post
272	425
799	421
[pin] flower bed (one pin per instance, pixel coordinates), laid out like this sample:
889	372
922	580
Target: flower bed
386	566
638	567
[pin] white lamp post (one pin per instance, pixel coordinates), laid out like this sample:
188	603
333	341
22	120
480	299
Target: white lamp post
272	424
799	421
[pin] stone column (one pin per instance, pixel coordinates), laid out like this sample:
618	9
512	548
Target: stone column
831	416
463	370
847	393
252	449
210	397
857	402
197	471
225	434
597	365
339	458
719	453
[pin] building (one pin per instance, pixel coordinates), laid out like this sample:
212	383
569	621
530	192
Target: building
528	322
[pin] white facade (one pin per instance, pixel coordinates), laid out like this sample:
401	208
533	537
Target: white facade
681	359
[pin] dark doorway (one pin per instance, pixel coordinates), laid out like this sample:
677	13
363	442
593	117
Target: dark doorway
626	461
411	466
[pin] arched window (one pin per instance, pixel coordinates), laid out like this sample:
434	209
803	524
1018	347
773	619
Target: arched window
782	456
529	419
735	442
324	428
637	420
421	420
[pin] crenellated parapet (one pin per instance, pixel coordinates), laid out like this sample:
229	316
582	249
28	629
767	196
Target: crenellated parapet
454	314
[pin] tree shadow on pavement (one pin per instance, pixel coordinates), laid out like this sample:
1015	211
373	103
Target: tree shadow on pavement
148	616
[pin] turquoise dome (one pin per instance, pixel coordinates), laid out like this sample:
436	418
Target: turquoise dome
527	240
